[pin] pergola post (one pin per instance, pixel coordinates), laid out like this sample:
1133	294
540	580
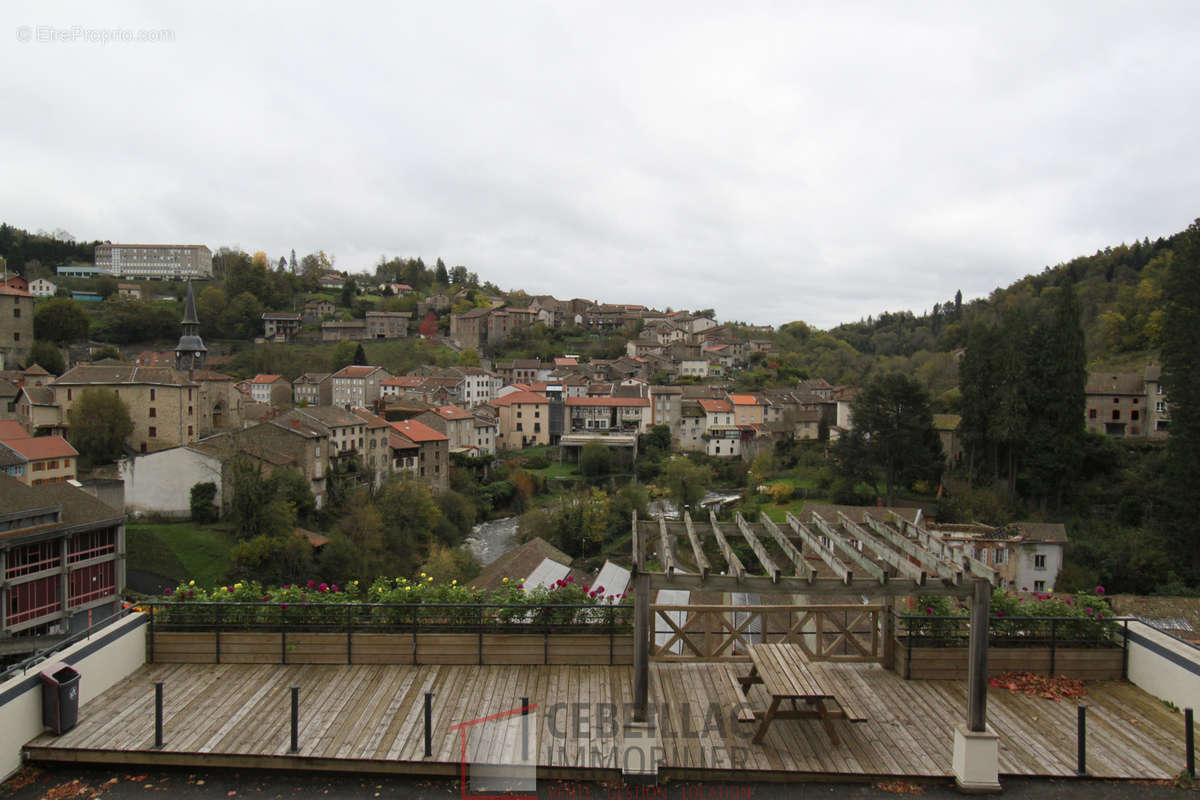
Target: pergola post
977	747
641	646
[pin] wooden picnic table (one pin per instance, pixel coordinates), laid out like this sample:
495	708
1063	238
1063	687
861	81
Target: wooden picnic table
787	675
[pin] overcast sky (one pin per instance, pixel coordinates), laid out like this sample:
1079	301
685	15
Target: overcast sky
776	161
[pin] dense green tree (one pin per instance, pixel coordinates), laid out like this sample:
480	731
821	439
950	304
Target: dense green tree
893	420
659	436
343	355
1057	377
257	507
595	460
107	351
60	320
685	481
440	276
201	502
360	356
99	424
124	320
1181	377
48	357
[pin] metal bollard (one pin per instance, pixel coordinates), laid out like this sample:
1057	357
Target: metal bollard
1189	741
1081	766
295	720
428	724
158	715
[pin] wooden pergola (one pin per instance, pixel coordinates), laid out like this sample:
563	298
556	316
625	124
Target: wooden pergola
876	552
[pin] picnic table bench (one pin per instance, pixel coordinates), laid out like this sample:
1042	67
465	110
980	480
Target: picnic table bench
787	674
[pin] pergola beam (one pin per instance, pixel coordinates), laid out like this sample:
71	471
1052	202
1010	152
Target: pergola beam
734	563
668	554
760	552
813	543
803	568
871	568
943	569
697	552
897	560
821	586
930	542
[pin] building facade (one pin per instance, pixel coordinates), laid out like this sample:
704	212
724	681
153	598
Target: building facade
16	326
168	262
62	556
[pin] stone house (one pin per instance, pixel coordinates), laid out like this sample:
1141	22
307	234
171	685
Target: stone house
162	401
432	466
273	390
16	326
387	324
523	420
312	389
357	386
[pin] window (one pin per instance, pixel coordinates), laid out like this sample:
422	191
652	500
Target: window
189	430
153	413
1158	389
153	432
153	394
1133	414
1039	586
1116	413
1160	406
537	427
1135	400
189	411
519	426
16	336
1091	413
68	394
1000	557
1116	400
16	312
1039	561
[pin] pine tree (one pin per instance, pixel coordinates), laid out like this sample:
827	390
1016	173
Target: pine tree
1056	383
1181	379
292	263
440	275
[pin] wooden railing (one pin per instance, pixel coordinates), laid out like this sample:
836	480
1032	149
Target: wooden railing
723	633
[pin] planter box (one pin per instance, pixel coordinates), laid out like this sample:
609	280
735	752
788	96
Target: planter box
242	647
950	663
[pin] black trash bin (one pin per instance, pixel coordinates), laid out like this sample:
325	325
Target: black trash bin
60	697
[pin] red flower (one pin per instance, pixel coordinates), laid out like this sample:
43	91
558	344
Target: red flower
283	606
570	579
311	584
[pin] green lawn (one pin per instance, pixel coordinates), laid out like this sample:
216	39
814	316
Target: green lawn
181	551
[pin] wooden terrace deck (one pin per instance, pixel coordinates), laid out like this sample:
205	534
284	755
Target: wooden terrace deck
370	718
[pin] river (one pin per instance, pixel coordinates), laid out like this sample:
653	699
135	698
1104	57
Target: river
492	539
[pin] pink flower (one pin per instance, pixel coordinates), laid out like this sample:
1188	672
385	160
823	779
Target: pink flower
1024	588
283	606
324	587
311	584
1099	590
287	586
265	598
1089	610
168	591
587	588
333	588
1000	613
1070	602
600	589
570	579
928	609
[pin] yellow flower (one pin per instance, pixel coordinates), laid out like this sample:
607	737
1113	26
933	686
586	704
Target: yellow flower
191	583
237	586
506	580
430	579
407	588
422	574
454	582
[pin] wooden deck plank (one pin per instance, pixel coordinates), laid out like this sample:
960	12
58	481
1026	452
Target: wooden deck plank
375	713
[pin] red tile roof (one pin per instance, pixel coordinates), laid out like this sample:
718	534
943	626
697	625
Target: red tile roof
41	447
745	400
419	432
11	429
355	371
402	380
265	378
8	290
519	397
452	412
716	406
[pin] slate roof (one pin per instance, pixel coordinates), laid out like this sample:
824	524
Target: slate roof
110	373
